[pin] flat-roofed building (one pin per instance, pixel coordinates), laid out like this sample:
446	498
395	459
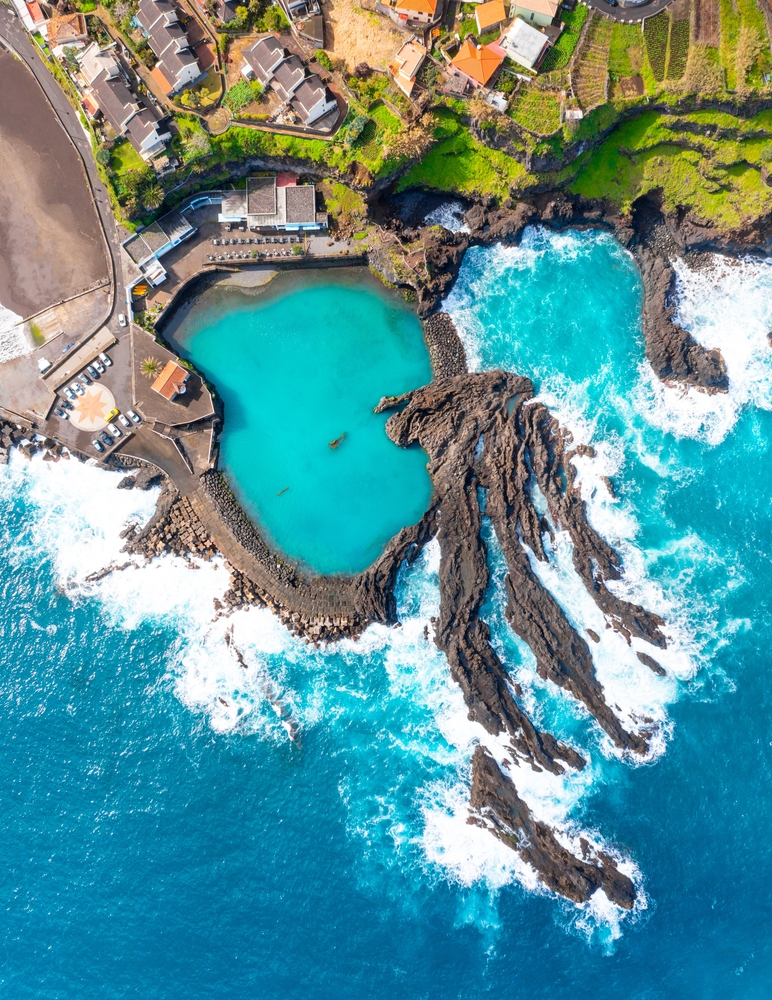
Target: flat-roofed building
406	64
536	12
268	205
479	64
32	17
524	44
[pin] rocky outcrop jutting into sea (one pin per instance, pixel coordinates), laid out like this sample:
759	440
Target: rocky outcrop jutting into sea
492	447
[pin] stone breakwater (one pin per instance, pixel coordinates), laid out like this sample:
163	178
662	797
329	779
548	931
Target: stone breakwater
28	443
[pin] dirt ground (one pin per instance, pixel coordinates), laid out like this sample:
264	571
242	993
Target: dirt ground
50	242
357	35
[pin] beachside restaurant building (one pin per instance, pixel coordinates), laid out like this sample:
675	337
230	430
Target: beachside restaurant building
145	247
273	202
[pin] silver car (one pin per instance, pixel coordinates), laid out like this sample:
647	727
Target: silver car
115	431
124	420
105	360
134	416
98	445
77	388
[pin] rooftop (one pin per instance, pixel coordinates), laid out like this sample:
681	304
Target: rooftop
264	56
478	62
171	381
417	6
63	28
301	204
261	195
548	7
288	76
524	44
490	14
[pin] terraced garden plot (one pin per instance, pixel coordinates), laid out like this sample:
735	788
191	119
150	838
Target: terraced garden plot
679	49
590	73
626	51
537	110
560	54
655	32
706	21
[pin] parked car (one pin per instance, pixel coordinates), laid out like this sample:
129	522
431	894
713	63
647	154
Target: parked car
61	413
104	359
124	420
122	319
68	392
111	415
84	378
92	371
66	404
115	431
106	438
134	416
99	367
77	388
98	445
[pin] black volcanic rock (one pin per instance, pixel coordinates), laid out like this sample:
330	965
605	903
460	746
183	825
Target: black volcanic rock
495	800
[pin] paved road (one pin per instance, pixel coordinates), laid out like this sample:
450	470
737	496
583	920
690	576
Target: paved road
628	14
13	33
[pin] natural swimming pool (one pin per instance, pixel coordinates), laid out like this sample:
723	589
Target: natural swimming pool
299	363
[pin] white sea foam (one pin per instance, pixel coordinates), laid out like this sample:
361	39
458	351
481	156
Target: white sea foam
13	340
450	215
79	515
726	306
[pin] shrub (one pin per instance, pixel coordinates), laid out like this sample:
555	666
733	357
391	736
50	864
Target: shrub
273	20
655	32
239	96
324	60
679	49
560	53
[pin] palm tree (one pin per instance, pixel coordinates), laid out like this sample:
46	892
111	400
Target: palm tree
151	367
152	197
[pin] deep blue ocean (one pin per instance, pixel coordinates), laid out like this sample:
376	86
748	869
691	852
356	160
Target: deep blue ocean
163	837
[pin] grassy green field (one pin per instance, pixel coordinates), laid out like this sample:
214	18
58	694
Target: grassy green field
124	158
536	110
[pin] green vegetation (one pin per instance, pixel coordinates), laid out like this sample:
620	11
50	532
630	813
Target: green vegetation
679	49
323	59
458	162
340	199
537	110
123	158
560	53
626	50
655	32
242	94
717	179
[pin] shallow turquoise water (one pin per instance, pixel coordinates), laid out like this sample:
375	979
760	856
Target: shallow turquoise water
296	369
162	836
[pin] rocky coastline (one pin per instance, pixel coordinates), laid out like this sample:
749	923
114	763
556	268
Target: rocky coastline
484	434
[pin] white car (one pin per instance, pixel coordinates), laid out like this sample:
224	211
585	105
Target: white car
62	414
134	416
115	431
99	367
124	420
77	388
105	360
69	393
121	319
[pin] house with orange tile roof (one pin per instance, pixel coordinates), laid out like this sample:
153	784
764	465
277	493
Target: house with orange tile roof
490	15
478	64
66	31
171	382
405	65
412	13
31	15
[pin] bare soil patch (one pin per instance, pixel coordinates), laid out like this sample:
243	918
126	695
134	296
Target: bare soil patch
50	238
706	22
357	35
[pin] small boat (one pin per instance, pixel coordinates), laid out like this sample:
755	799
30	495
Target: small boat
282	491
338	441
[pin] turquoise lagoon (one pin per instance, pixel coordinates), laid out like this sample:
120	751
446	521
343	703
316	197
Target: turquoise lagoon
299	363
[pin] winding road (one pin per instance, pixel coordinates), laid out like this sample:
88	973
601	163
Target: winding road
628	15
